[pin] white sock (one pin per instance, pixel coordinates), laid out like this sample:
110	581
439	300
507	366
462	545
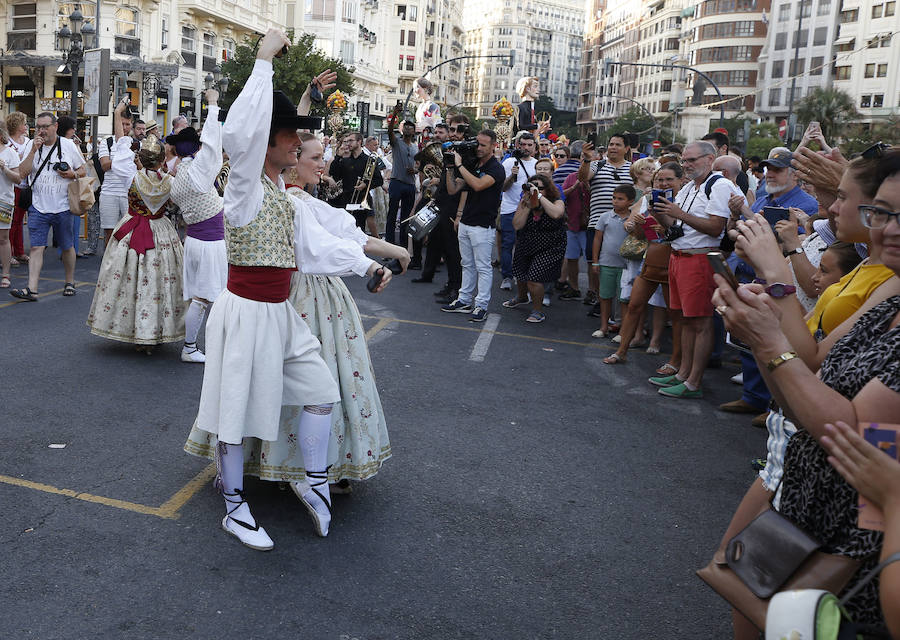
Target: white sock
314	432
230	480
192	321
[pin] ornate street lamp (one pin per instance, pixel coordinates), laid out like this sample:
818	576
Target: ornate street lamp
75	38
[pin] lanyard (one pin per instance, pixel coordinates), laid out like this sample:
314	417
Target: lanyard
696	193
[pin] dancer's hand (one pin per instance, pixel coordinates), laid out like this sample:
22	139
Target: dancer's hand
273	42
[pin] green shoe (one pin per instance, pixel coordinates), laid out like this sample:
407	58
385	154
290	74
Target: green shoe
680	390
664	381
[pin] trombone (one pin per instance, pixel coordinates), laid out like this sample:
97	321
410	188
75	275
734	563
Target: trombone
368	174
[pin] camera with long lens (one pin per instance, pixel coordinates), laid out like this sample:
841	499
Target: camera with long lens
61	166
465	149
673	233
518	154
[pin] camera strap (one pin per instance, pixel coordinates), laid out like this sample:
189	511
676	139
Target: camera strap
706	189
527	176
46	160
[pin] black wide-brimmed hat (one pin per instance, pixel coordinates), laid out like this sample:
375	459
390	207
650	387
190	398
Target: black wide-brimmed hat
284	114
188	134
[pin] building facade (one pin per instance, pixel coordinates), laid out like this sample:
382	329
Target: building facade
545	39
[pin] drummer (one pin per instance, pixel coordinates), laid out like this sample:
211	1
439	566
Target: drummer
350	170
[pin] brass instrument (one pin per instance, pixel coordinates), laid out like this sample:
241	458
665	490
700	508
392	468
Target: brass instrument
432	162
368	174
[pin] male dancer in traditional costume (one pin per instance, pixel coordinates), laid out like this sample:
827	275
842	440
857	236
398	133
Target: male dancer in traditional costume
260	354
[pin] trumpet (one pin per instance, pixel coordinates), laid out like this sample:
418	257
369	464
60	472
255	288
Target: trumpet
368	174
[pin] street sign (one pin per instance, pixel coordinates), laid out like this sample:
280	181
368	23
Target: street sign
782	129
656	144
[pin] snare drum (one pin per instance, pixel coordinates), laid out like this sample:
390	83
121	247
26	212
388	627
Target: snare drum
424	221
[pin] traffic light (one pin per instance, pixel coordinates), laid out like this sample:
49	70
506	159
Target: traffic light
607	66
512	58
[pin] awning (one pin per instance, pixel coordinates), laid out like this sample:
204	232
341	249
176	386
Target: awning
22	59
844	40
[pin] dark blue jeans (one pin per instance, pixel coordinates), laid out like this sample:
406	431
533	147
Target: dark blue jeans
756	392
402	196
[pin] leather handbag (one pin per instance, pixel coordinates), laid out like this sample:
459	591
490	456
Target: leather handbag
656	263
81	195
770	555
633	248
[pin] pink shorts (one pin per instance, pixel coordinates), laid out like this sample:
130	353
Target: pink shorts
691	284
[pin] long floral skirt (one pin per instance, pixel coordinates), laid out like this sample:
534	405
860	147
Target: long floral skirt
138	298
359	442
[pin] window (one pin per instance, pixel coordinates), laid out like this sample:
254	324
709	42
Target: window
400	66
877	10
228	48
289	9
188	39
774	97
784	13
815	66
847	46
881	71
127	23
24	27
209	44
878	101
410	62
780	41
319	10
850	15
164	39
347	52
842	73
401	11
885	41
890	8
799	68
870	70
743	28
865	101
402	37
820	36
778	69
411	38
804	38
412	12
824	8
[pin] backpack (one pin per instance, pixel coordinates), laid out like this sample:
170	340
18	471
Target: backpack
95	159
707	188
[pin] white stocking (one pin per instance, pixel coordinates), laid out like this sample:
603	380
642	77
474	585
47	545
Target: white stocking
192	321
230	480
314	432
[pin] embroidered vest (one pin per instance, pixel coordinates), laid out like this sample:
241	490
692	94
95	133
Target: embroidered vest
268	240
195	206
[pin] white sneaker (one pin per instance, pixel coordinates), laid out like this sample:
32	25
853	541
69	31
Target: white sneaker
546	301
738	379
254	536
599	333
506	285
192	355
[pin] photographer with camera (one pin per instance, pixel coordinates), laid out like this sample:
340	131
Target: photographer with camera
696	220
483	185
50	166
519	168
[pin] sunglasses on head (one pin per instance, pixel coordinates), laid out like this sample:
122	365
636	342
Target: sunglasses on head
877	150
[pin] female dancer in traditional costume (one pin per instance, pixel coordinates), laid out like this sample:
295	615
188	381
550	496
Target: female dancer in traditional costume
260	354
138	298
194	191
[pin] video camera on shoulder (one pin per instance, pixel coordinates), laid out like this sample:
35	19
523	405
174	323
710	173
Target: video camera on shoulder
465	149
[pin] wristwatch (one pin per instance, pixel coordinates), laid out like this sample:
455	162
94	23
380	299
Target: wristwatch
780	289
792	252
776	362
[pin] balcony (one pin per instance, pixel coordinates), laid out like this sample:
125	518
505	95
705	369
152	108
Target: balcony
128	46
209	63
190	59
21	41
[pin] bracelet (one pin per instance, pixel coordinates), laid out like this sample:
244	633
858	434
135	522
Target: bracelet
595	264
774	363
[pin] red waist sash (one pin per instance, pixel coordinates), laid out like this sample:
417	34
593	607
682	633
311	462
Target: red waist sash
263	284
142	238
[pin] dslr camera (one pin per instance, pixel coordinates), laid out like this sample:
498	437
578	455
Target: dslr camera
61	166
673	233
518	154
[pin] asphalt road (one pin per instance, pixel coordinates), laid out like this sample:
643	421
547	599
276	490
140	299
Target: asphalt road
534	493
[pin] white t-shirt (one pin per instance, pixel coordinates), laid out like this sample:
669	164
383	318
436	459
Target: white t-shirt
692	199
115	184
510	199
51	191
22	149
7	187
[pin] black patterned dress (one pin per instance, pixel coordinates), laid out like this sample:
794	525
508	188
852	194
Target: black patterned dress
814	495
540	248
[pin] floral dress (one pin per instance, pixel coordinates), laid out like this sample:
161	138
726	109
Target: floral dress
814	495
138	298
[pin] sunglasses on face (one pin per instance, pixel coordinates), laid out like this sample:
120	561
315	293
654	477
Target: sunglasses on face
616	175
560	155
687	160
875	217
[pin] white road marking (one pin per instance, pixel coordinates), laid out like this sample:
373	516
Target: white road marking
484	338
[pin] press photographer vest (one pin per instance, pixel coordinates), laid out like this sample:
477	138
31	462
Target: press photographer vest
268	240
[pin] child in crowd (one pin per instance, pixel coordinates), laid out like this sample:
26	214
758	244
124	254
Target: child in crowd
608	262
838	259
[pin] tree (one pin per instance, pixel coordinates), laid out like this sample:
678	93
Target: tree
293	71
763	138
561	122
831	108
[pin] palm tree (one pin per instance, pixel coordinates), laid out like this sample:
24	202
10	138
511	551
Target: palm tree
831	108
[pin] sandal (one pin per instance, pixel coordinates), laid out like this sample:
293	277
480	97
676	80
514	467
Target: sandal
14	263
69	289
23	259
535	316
512	303
667	370
4	282
652	350
24	294
614	359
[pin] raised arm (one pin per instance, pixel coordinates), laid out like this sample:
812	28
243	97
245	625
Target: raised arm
208	162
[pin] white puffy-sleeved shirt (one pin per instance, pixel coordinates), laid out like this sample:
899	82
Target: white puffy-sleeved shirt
193	188
244	137
117	183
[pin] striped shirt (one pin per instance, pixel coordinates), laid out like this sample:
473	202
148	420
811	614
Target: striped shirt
602	185
560	175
